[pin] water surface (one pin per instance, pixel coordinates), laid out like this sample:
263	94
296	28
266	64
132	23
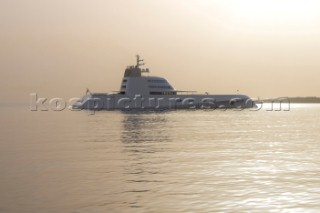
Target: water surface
178	161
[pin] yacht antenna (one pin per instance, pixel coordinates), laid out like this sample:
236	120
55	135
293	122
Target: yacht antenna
138	62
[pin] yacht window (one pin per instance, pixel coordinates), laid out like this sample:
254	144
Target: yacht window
155	93
160	87
163	93
157	81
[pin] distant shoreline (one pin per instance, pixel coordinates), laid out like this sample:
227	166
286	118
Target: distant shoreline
297	100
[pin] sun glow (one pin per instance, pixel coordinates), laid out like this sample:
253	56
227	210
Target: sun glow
271	16
275	13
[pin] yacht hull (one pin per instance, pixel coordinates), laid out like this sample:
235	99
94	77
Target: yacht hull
168	102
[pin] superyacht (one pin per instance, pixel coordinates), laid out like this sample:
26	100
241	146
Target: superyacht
140	91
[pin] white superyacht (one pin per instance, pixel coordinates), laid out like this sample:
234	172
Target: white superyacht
139	91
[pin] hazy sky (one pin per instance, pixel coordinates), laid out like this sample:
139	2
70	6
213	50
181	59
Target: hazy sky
57	48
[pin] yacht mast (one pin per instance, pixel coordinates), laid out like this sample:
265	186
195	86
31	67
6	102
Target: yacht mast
138	62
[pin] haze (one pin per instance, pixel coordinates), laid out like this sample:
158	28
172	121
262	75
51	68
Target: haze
59	48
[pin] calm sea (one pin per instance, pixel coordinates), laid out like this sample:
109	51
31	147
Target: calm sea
178	161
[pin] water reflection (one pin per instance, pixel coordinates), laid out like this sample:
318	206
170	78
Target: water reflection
144	136
144	128
145	139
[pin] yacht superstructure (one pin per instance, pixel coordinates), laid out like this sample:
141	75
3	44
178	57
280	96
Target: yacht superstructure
141	91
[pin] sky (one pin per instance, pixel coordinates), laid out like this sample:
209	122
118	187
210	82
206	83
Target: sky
263	48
